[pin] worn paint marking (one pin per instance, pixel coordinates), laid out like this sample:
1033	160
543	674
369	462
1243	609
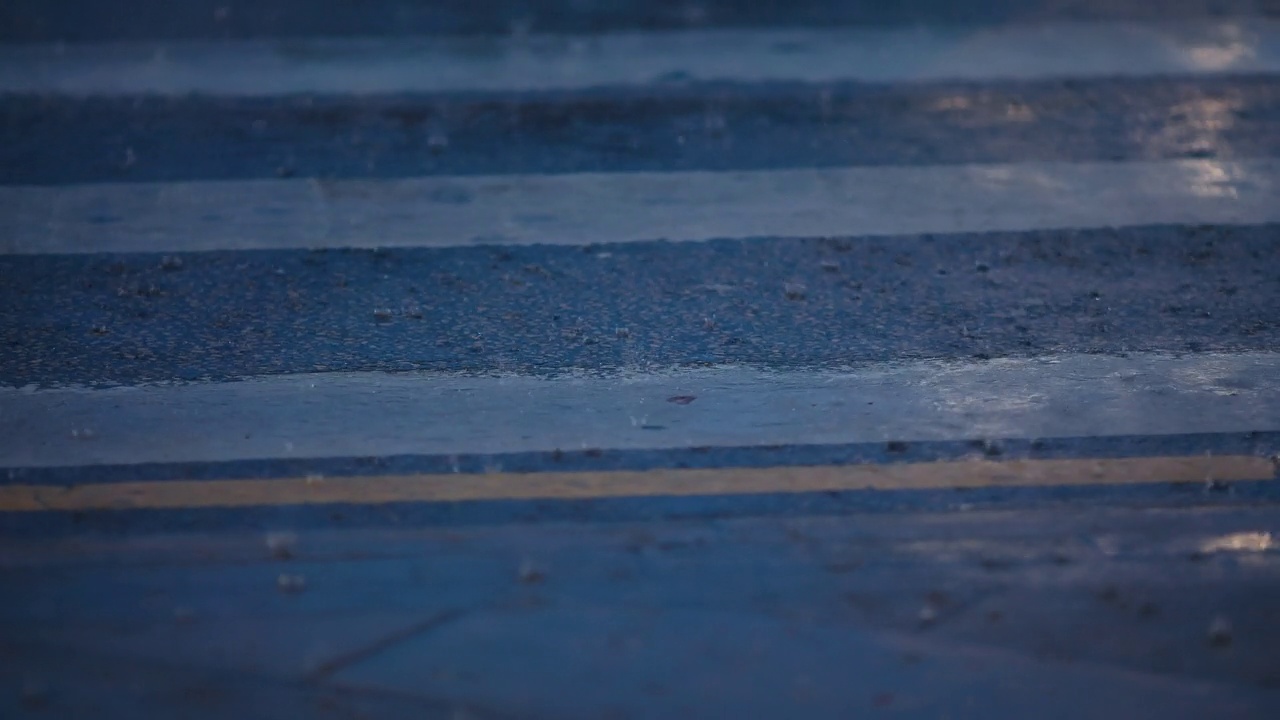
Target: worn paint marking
663	482
551	62
604	208
330	415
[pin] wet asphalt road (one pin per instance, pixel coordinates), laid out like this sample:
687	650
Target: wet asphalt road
677	126
661	488
781	303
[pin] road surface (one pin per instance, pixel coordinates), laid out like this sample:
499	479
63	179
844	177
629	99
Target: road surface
627	360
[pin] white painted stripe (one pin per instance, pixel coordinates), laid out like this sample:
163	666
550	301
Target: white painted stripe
375	414
272	67
621	207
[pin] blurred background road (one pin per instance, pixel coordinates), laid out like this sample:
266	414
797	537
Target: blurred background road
621	359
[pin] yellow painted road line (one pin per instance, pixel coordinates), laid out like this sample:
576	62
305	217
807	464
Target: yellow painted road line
376	490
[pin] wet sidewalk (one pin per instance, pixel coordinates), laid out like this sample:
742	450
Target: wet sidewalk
1059	612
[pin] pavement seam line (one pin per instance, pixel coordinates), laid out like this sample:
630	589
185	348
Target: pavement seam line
334	665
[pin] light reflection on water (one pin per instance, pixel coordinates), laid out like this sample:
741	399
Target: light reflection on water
1228	47
1214	179
1240	542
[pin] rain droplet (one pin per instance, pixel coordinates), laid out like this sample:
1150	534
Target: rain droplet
1215	486
1220	633
520	27
461	713
281	544
694	13
291	583
531	574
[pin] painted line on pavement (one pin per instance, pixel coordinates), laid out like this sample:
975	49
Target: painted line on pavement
601	208
385	414
550	62
665	482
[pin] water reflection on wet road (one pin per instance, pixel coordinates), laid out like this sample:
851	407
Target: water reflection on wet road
623	359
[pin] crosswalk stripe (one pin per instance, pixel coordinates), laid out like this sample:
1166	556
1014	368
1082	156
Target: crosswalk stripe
273	67
328	415
602	208
372	414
